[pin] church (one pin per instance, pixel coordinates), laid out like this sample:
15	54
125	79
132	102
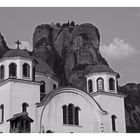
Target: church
31	100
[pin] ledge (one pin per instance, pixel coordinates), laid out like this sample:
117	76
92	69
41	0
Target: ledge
18	80
71	125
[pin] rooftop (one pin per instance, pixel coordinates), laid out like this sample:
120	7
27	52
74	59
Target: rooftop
16	53
102	69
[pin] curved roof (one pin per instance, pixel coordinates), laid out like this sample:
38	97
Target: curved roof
69	90
102	69
16	53
42	67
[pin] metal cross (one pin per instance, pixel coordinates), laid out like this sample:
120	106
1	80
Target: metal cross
18	43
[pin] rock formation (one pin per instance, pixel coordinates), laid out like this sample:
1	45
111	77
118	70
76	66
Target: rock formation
132	106
68	49
3	46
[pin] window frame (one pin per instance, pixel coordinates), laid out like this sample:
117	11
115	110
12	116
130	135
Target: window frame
90	86
69	116
26	70
2	113
2	72
13	69
24	107
99	85
111	84
113	121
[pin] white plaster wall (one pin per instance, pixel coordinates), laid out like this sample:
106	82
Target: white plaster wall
19	62
29	93
89	116
114	106
5	99
13	94
106	77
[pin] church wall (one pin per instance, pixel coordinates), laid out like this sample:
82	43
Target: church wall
114	106
29	93
6	100
89	116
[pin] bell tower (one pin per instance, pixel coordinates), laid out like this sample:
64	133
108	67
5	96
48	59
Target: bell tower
102	86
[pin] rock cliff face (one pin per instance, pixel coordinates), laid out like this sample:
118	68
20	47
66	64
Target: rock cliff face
132	106
3	46
68	49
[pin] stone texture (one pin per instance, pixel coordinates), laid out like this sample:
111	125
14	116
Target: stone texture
3	46
66	47
132	106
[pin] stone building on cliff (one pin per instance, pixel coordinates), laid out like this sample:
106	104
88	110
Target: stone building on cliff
63	86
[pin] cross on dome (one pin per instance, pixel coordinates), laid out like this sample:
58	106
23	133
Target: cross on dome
18	43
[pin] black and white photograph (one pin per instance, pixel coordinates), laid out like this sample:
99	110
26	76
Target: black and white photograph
69	70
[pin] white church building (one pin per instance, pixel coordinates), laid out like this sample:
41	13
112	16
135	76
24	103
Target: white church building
31	100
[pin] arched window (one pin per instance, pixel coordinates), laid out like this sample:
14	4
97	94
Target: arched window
12	70
90	86
100	84
65	114
24	107
33	73
77	115
113	117
2	72
70	114
111	84
26	70
1	113
42	87
54	86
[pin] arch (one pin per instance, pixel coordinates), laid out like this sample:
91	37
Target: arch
42	87
2	72
111	84
65	114
113	118
70	90
2	113
100	84
77	109
90	87
12	70
26	70
24	107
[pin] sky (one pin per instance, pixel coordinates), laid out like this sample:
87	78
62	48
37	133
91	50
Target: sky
119	30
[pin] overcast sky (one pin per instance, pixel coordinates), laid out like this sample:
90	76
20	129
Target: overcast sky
119	29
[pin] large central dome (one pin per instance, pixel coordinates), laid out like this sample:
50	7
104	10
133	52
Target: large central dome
16	53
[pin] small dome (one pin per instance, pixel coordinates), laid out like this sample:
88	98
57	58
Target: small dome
102	69
16	53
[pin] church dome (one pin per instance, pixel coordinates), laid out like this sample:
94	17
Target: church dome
102	69
16	53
